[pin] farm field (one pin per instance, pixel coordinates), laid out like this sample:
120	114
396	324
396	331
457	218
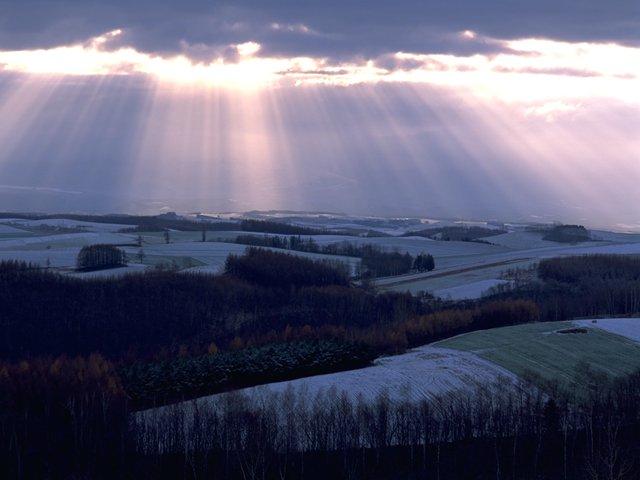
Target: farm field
541	349
8	231
212	255
443	279
466	269
468	290
54	257
35	242
65	223
425	373
463	269
500	356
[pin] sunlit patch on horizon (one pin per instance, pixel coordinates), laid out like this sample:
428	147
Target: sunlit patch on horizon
521	70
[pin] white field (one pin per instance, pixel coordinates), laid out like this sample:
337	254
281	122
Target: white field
58	251
469	290
625	327
55	257
67	223
64	240
521	240
615	236
425	373
444	282
8	229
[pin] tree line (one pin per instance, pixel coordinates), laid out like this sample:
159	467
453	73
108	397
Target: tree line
99	256
275	269
158	383
457	233
521	433
171	221
581	286
375	260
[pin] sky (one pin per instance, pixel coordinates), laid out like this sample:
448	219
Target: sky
506	110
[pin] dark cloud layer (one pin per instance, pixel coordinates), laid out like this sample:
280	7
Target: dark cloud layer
338	29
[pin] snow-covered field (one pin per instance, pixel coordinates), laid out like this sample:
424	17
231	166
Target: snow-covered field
469	290
64	240
426	372
626	327
55	257
67	223
10	230
521	240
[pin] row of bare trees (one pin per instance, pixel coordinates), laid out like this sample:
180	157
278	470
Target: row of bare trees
517	433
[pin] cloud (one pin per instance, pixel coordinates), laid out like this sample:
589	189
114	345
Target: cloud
343	30
550	111
515	70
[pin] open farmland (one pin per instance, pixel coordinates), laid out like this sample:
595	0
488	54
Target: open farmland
520	250
212	255
65	223
64	240
468	290
463	269
425	373
551	351
9	231
542	349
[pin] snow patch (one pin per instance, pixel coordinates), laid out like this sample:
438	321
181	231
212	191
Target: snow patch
625	327
468	291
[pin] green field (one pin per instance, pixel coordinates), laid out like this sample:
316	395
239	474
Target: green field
538	348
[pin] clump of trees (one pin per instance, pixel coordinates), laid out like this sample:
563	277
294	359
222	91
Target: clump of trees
424	262
152	383
567	234
590	267
562	233
276	269
581	286
375	262
460	234
100	256
306	350
269	226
